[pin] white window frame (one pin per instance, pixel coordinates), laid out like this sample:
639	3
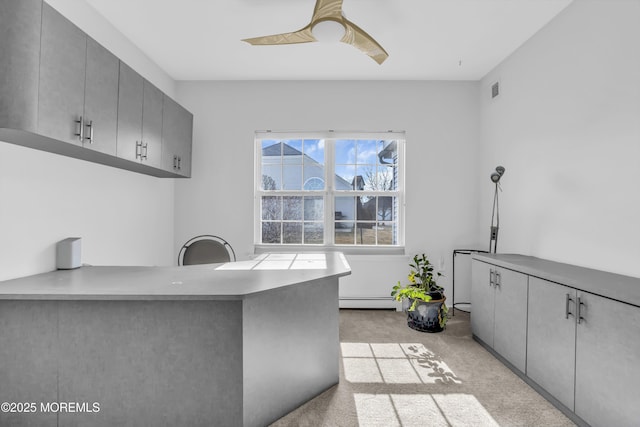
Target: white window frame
329	193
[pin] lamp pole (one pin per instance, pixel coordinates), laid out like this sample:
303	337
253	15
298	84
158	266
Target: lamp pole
495	212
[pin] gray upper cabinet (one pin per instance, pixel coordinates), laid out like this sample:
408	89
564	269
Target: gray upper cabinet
131	93
152	116
19	63
62	92
140	106
62	78
101	99
177	128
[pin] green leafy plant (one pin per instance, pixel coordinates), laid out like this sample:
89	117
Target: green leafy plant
422	282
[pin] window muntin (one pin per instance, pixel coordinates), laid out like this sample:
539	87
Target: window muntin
329	191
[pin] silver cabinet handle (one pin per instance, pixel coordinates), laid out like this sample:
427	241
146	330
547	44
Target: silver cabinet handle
567	313
179	163
144	156
80	133
580	305
175	162
498	279
139	150
90	137
491	277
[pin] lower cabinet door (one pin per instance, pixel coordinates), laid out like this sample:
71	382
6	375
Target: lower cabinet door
551	335
482	299
510	318
607	362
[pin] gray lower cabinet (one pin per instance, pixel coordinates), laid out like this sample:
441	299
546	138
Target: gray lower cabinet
607	362
551	335
499	315
177	128
581	348
483	299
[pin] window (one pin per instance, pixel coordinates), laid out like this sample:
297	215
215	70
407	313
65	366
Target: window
329	189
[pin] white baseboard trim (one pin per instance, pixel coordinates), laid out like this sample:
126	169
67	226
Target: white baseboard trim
370	302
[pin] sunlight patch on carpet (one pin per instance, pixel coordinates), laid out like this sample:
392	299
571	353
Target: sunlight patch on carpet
388	410
394	363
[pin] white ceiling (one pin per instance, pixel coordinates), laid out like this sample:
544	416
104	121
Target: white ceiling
425	39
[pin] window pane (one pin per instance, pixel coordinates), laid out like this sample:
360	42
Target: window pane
292	151
345	151
292	208
367	151
313	208
345	208
313	233
292	232
271	232
313	177
271	177
386	233
366	208
271	148
365	233
385	209
344	233
388	152
385	179
271	208
344	177
313	150
292	177
366	177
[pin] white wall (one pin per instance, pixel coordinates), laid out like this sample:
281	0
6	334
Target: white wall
567	128
441	120
123	218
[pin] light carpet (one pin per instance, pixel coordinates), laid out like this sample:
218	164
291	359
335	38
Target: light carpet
391	375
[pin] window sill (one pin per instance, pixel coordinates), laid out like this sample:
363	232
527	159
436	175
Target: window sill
347	250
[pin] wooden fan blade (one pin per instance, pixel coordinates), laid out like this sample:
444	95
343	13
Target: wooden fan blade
357	37
301	36
327	9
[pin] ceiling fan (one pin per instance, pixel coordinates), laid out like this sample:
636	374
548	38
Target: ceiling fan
328	19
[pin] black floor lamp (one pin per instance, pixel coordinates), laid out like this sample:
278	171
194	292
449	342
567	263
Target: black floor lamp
495	212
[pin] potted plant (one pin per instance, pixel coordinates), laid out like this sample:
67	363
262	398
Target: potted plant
427	311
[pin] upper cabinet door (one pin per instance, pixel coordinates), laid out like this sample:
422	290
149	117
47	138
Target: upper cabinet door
101	99
19	62
152	125
129	145
177	130
62	78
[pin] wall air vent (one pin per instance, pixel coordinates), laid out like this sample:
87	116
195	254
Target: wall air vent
495	89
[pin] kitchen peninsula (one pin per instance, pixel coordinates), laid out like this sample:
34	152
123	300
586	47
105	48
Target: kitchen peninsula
236	344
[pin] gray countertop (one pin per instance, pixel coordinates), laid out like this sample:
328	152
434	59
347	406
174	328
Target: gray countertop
230	281
608	285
